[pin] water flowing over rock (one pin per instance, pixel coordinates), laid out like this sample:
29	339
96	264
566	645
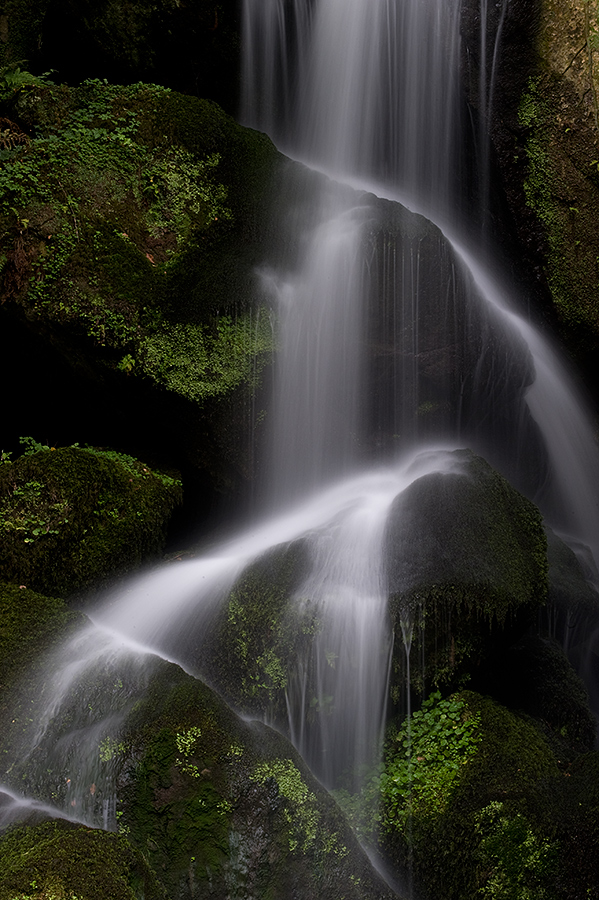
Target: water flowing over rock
466	568
412	431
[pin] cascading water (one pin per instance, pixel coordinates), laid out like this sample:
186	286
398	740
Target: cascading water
378	103
392	337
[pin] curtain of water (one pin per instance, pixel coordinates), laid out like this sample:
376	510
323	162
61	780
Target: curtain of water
369	92
359	87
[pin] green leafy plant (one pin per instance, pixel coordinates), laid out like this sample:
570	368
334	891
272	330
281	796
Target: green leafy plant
425	758
13	78
32	512
31	446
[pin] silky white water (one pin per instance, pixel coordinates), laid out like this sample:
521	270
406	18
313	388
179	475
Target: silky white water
369	92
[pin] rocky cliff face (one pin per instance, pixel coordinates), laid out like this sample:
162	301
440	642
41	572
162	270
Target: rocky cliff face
545	144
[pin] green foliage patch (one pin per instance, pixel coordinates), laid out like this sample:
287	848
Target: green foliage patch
72	516
122	223
199	361
426	758
521	863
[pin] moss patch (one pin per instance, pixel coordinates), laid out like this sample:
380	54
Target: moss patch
558	116
225	806
131	220
58	860
71	517
261	634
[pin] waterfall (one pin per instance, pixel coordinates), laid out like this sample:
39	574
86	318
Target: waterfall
377	101
396	343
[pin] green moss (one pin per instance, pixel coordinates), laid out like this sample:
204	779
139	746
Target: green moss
261	634
131	221
198	362
72	516
521	862
561	187
301	812
535	115
29	621
61	861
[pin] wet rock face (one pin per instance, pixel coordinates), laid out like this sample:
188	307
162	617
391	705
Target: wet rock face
544	139
432	333
465	560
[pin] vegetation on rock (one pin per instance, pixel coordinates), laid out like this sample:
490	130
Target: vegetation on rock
72	517
126	233
467	566
559	120
58	859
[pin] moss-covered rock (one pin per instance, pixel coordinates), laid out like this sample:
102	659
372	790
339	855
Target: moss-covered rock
577	816
544	131
472	802
224	805
133	220
31	625
129	215
466	562
466	801
253	650
214	803
59	859
72	517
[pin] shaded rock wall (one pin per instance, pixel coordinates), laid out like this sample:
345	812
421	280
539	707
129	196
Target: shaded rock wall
193	47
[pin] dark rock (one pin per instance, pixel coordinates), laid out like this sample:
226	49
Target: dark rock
466	562
192	47
535	677
71	518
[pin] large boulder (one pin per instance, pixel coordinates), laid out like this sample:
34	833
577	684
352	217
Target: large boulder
73	517
468	802
467	569
133	220
130	742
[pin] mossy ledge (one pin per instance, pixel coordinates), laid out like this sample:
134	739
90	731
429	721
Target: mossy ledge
57	859
73	517
131	219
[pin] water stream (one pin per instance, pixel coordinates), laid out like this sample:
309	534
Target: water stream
368	92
